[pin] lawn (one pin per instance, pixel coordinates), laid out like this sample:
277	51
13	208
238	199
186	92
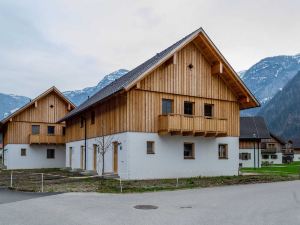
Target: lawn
56	180
276	169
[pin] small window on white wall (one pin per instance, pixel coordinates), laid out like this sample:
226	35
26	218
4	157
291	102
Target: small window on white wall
223	151
150	147
23	151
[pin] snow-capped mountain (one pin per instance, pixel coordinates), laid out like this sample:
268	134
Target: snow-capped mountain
269	76
10	103
79	96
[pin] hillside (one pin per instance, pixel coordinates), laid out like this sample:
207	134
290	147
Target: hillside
269	76
282	112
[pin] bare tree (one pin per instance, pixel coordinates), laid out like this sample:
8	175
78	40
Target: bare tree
103	144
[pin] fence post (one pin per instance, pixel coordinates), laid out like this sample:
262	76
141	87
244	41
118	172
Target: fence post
42	182
11	179
121	188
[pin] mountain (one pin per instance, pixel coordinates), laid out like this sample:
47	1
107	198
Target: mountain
10	103
269	76
79	96
282	112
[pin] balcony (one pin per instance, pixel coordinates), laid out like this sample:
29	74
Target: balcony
192	125
269	150
46	139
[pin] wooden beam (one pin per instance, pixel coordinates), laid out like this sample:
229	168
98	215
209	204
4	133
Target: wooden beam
69	107
175	58
138	85
217	69
35	104
244	99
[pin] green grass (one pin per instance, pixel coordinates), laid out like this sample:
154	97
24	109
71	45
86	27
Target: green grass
276	169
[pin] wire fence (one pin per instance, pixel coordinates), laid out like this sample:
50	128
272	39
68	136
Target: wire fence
70	182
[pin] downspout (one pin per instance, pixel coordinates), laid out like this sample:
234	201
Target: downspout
254	158
84	143
258	153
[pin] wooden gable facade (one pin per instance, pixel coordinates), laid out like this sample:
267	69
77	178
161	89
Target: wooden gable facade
41	115
190	75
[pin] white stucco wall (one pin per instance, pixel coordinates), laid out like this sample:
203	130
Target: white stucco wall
168	160
250	163
273	161
296	157
36	156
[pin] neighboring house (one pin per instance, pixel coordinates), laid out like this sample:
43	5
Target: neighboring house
253	131
295	142
175	115
31	136
272	149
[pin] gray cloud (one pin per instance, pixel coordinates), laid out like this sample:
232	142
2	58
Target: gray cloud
73	43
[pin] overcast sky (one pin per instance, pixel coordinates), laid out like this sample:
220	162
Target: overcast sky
72	44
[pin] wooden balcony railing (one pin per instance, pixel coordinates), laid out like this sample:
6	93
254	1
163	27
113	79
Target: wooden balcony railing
192	125
46	139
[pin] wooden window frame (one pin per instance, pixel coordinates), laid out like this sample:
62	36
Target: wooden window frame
48	155
193	108
48	130
162	104
212	110
226	151
39	129
23	152
193	150
93	117
152	152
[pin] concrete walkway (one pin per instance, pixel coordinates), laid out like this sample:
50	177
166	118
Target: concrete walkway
258	204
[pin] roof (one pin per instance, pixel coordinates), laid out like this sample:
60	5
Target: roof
278	138
52	89
253	128
125	82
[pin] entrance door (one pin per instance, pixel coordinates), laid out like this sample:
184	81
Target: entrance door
115	146
70	157
95	157
82	158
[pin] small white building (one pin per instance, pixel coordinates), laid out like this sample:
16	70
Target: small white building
253	131
31	137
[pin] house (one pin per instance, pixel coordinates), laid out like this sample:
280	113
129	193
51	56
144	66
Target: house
295	145
272	149
253	131
175	115
31	136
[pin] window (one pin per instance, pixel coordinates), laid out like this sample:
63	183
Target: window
150	147
167	106
188	108
63	130
35	129
81	122
208	110
51	130
50	153
265	156
245	156
189	152
274	157
93	117
223	151
23	151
